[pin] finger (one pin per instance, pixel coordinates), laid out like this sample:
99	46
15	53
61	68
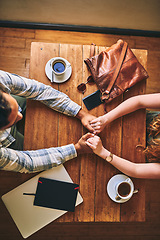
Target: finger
96	132
94	121
87	135
89	144
97	127
93	140
94	124
90	128
96	137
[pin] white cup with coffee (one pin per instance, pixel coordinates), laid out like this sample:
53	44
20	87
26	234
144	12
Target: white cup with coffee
125	189
59	66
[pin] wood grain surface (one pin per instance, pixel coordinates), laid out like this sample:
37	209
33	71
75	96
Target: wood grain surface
15	45
45	128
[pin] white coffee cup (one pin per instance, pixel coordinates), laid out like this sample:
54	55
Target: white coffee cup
125	189
59	67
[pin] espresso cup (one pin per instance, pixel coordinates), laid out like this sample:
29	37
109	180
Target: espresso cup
125	189
59	67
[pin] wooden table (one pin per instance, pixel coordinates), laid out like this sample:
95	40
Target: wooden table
45	128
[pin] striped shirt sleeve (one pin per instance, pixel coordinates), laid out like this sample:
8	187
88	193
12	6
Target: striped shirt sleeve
37	160
32	89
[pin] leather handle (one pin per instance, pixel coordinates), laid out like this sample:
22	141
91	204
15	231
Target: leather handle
92	50
118	68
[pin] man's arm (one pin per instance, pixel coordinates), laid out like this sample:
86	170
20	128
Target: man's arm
54	99
32	89
35	161
43	159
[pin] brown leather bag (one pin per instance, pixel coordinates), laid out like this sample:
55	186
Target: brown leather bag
115	70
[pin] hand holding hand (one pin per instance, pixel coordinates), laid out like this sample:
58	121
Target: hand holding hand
81	146
95	144
98	124
86	118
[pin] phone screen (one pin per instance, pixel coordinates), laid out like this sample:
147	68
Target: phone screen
93	100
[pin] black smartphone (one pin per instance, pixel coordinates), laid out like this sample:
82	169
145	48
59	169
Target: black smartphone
93	100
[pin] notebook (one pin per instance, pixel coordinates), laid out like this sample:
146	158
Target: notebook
28	217
56	194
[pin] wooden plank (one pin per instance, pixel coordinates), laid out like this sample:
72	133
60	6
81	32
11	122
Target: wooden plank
13	42
70	128
15	52
81	38
149	43
134	134
132	128
154	72
105	208
20	71
39	137
13	63
88	161
17	32
30	40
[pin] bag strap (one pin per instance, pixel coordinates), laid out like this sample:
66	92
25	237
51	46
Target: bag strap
92	49
92	54
117	70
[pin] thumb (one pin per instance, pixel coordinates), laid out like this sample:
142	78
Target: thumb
89	144
90	128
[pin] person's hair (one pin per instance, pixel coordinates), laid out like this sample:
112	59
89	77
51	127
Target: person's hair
152	151
5	108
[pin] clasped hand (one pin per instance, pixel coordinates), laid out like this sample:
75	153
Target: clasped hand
98	124
88	143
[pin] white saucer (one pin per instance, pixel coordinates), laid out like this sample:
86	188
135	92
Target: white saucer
111	187
58	79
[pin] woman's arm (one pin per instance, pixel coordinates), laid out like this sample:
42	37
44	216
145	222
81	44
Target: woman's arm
137	170
130	105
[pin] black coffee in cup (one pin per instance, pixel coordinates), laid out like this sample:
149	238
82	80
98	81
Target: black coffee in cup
124	189
58	67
